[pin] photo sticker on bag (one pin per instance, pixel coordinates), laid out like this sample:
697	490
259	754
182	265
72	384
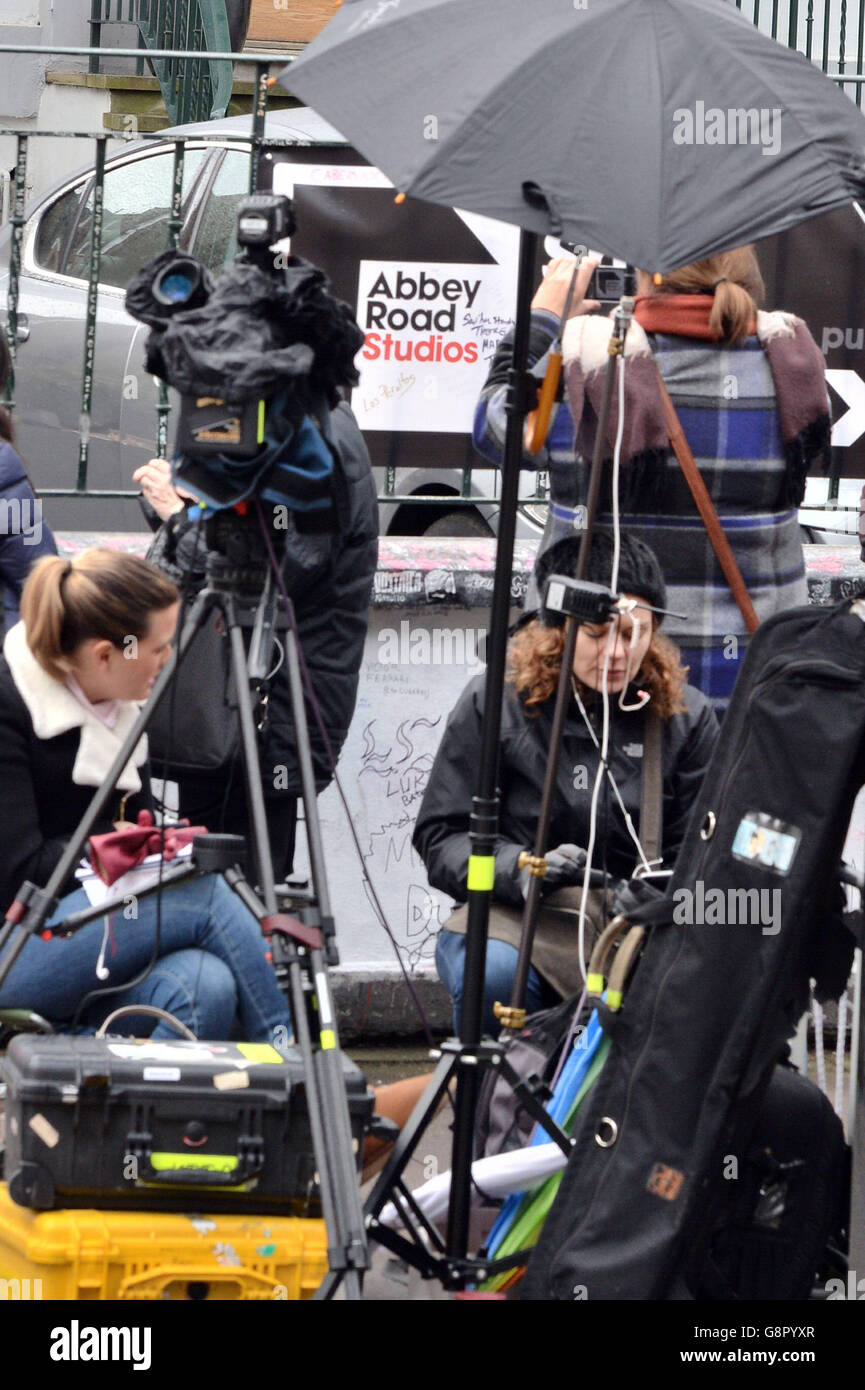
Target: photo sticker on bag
764	840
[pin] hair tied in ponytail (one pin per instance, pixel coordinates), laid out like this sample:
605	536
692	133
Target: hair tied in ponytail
723	281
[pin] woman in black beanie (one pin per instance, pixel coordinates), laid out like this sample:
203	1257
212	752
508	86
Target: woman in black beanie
639	668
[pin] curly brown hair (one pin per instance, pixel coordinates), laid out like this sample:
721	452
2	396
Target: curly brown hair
535	659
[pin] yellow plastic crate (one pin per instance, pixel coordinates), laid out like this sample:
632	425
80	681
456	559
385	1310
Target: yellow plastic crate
105	1255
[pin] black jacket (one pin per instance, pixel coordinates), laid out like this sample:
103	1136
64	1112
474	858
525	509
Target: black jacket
40	803
24	536
329	578
441	830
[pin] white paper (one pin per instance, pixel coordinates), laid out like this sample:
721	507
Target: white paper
137	879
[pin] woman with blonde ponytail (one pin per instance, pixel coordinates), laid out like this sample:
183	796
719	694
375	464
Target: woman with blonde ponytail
750	394
94	634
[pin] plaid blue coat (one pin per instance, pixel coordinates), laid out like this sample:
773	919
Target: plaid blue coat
726	401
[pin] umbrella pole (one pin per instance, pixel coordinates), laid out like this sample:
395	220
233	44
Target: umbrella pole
483	830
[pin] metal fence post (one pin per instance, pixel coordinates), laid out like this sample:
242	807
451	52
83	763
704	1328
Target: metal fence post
259	112
15	265
95	34
92	300
163	408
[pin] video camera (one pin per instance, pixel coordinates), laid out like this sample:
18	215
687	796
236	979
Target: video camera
259	355
588	602
609	283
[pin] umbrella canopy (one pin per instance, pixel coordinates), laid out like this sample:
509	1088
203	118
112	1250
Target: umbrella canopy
662	131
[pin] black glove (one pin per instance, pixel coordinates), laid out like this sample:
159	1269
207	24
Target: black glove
635	895
565	865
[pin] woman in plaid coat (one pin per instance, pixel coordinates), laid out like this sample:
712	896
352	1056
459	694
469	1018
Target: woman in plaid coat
750	394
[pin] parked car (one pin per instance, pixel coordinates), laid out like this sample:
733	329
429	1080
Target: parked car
416	417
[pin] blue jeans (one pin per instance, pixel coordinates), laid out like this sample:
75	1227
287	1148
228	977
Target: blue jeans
499	975
210	965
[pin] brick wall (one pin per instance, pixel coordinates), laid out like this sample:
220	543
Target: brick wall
288	21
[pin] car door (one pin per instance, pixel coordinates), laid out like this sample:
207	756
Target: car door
52	320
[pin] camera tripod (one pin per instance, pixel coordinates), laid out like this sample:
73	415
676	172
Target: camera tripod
302	945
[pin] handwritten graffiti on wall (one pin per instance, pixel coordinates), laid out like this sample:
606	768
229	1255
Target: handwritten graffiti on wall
395	767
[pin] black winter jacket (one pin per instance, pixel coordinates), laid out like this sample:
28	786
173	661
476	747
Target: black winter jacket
24	536
329	578
441	830
47	782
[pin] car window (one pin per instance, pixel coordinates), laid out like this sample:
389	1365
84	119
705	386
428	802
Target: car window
54	228
216	243
137	206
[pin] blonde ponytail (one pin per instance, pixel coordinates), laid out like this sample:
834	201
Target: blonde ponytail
735	283
733	312
101	594
43	612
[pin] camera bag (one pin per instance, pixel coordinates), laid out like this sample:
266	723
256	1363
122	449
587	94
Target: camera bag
138	1124
786	1200
716	993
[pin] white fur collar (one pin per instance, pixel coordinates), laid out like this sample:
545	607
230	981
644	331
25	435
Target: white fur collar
776	324
586	339
54	710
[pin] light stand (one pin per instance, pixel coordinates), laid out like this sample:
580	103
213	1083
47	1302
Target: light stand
514	1015
465	1057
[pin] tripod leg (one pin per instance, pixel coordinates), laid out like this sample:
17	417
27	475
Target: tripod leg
344	1176
418	1123
325	1089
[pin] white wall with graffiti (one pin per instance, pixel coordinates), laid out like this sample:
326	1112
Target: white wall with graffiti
424	644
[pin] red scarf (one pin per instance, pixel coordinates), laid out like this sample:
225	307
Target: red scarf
685	315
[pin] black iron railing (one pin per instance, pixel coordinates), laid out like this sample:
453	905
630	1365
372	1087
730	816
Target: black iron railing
829	32
192	91
254	138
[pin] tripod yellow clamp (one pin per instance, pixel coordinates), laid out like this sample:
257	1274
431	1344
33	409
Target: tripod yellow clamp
509	1017
535	863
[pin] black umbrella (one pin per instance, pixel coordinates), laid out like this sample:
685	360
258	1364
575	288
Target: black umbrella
660	130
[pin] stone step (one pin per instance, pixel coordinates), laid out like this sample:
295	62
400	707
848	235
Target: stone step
137	105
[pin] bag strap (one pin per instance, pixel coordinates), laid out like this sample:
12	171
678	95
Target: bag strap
706	508
651	788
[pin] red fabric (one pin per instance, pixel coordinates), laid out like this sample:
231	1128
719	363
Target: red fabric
686	315
118	851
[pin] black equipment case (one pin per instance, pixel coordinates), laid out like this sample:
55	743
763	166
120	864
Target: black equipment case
789	1201
714	997
140	1124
